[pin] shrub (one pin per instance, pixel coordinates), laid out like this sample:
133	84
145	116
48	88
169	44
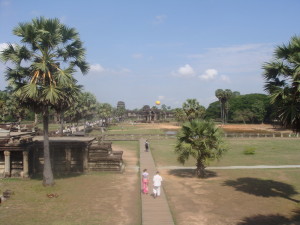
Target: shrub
249	150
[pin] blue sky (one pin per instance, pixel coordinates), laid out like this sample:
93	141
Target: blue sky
167	50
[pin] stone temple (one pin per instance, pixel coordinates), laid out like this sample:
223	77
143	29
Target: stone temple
21	154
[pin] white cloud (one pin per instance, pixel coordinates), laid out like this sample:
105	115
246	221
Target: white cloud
160	19
209	74
97	68
3	46
185	71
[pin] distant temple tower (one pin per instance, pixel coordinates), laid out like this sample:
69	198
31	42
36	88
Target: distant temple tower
120	105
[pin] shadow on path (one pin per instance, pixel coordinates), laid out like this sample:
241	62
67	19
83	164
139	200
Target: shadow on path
190	173
263	188
272	219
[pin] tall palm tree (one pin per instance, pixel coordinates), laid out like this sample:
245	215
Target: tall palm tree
282	77
201	140
42	67
224	96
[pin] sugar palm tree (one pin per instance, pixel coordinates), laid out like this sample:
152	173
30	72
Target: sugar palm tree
224	96
201	140
193	109
282	77
42	67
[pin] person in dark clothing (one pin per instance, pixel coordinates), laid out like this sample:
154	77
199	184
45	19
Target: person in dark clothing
146	146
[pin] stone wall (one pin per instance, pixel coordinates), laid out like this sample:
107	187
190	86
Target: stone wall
68	155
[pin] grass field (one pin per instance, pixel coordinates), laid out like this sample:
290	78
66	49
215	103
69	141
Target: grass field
268	151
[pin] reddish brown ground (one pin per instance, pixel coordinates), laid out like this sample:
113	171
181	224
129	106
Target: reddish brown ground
216	201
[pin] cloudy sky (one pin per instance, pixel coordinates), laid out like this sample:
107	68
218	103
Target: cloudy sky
141	51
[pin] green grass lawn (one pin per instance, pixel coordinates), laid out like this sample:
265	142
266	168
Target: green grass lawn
268	151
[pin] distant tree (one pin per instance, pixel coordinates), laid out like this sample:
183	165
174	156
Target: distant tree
180	115
283	83
257	104
201	140
236	94
224	96
73	92
104	112
213	111
84	108
244	115
193	109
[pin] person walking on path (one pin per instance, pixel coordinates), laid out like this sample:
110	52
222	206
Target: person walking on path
157	179
145	181
146	146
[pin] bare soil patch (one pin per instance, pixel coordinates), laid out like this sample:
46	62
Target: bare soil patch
252	128
232	197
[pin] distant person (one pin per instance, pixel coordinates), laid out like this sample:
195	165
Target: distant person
157	179
145	181
146	146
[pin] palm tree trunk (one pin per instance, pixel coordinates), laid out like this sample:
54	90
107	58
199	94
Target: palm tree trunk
47	173
36	119
200	170
222	113
62	118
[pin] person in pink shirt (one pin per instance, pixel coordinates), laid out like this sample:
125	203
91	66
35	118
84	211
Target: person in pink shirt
145	181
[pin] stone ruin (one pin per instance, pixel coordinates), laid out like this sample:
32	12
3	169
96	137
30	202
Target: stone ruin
103	158
22	155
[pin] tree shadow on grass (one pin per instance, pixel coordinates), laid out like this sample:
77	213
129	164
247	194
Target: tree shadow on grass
263	188
56	176
272	219
190	173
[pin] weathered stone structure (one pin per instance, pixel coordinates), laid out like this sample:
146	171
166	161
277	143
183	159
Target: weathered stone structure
23	155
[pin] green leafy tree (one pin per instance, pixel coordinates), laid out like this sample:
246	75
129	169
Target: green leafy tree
104	112
257	104
213	111
244	115
282	76
180	115
201	140
73	92
42	67
84	108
